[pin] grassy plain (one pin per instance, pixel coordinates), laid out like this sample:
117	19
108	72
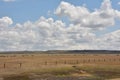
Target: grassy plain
59	66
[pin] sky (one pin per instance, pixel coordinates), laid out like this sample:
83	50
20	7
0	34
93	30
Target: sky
30	25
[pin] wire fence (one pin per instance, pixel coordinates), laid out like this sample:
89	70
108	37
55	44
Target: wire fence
18	65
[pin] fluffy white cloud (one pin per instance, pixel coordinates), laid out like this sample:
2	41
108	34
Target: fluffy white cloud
5	21
110	41
43	34
118	3
100	18
50	34
8	0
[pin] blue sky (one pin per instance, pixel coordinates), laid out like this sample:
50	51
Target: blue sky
24	10
59	24
31	10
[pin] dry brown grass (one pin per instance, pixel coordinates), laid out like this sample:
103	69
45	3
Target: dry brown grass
10	63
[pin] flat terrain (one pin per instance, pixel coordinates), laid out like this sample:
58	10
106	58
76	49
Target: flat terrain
59	66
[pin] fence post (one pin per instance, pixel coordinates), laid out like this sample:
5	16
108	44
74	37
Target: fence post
84	61
88	60
77	62
109	59
104	60
98	60
64	62
56	62
114	59
94	60
4	65
45	62
20	65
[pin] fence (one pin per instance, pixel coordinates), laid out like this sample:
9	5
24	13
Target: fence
18	65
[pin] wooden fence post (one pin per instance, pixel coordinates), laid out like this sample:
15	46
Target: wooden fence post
104	60
45	62
56	62
77	62
84	61
20	65
114	59
94	60
88	60
109	59
65	62
4	65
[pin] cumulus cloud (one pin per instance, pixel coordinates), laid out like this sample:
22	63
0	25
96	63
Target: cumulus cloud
8	0
5	21
110	41
43	34
118	3
32	35
100	18
50	34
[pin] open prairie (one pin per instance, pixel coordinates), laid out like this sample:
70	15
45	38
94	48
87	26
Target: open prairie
59	66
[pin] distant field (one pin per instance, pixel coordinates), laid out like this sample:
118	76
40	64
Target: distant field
59	66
